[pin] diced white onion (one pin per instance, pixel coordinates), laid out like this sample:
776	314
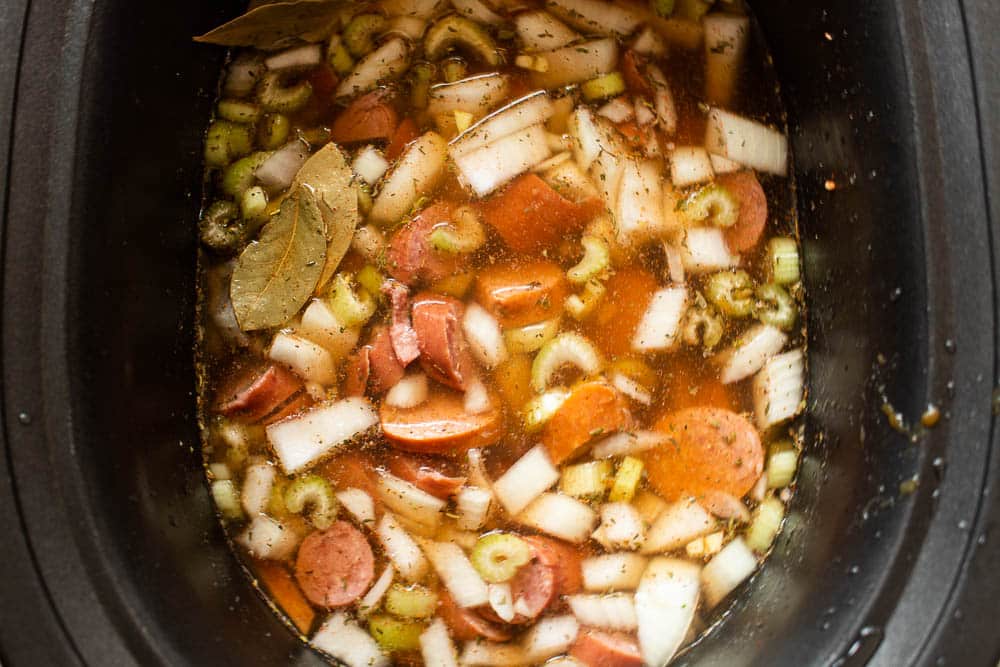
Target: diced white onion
476	95
665	604
526	480
436	646
560	516
386	62
409	392
540	31
268	539
727	570
675	262
723	165
649	505
660	324
631	388
726	40
278	171
502	601
242	77
663	100
577	63
349	643
368	242
477	397
309	360
477	11
415	173
457	574
747	142
309	55
624	443
406	500
612	572
778	389
477	470
220	471
644	114
596	16
749	354
484	335
705	249
486	169
321	325
401	549
589	138
649	43
621	527
302	440
530	110
690	165
370	165
617	110
677	525
570	181
725	506
359	505
374	596
615	612
258	480
549	637
639	211
606	172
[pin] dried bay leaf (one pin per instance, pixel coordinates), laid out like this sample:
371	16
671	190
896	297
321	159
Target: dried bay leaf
278	24
328	174
276	274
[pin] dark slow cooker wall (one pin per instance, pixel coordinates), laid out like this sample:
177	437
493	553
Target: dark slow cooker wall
103	196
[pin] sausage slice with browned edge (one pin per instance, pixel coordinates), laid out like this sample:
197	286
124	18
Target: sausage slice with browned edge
749	227
444	354
335	566
411	258
467	624
426	476
441	425
596	648
254	396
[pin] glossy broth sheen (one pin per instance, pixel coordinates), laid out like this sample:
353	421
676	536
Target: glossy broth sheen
501	350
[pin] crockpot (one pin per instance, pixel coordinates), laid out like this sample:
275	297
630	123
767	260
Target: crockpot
111	552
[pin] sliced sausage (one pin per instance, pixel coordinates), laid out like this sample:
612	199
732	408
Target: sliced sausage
441	425
596	648
562	558
749	227
335	566
426	476
357	371
411	258
386	369
353	470
467	624
530	216
405	132
444	354
708	449
593	409
256	394
299	403
370	117
533	589
522	294
401	333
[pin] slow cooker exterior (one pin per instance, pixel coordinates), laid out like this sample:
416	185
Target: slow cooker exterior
113	555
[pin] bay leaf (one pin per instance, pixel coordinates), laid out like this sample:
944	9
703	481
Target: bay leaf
328	174
276	274
278	24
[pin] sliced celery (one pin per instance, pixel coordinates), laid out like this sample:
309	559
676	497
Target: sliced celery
395	635
581	306
352	308
273	131
274	95
456	286
765	525
783	260
226	141
627	480
603	87
410	601
239	175
314	496
457	31
702	326
731	292
227	499
712	203
221	228
781	466
454	69
596	260
420	84
238	111
338	57
498	556
566	348
253	205
539	410
775	306
370	278
359	34
587	481
465	236
530	338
